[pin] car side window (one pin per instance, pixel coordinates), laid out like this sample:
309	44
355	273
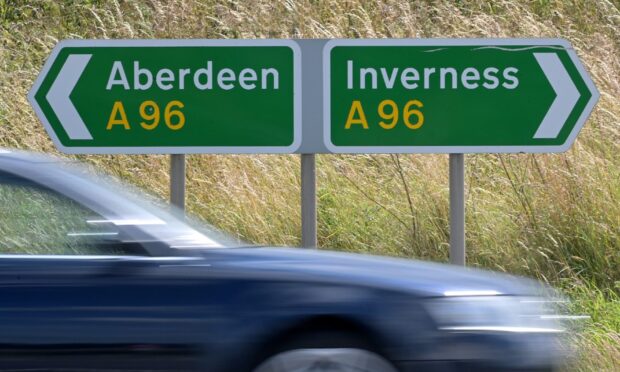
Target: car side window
37	220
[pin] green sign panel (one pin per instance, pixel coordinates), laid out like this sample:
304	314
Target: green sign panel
453	96
172	96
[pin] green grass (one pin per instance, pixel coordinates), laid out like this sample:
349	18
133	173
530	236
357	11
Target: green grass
552	217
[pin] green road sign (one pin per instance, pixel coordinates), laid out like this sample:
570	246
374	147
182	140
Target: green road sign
453	96
171	96
381	96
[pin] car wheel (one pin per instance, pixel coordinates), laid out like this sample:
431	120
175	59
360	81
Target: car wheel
326	360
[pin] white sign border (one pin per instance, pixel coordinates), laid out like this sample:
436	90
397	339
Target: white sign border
327	48
90	43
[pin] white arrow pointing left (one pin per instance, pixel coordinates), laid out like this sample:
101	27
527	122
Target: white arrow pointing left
58	96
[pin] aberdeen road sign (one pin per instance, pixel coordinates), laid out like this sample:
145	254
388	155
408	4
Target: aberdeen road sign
171	96
455	95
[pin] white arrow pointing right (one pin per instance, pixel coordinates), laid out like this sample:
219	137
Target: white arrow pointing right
58	96
566	95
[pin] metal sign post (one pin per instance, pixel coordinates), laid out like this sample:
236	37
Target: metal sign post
308	201
177	181
457	209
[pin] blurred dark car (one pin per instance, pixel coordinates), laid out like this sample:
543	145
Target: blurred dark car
93	279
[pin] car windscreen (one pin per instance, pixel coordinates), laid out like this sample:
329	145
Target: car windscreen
125	205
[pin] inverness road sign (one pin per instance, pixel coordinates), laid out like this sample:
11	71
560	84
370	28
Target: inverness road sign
453	96
171	96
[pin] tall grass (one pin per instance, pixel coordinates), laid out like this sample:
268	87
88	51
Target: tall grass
554	217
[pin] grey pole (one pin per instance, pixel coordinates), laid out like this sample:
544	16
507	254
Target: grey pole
457	209
308	201
177	181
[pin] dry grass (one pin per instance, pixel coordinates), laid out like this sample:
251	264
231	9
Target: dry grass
555	217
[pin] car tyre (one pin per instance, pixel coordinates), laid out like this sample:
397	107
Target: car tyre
326	360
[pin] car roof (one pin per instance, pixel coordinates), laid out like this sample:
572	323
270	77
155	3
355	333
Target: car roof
32	156
99	193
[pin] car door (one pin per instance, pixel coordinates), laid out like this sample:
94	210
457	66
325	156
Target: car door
71	298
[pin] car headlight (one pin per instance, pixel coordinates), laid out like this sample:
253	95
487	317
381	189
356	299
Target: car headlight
494	313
